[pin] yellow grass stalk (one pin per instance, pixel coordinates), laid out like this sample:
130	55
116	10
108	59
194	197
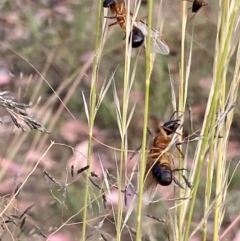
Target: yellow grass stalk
211	150
149	66
92	108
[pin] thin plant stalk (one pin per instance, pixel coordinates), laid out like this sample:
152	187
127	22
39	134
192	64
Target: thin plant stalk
149	66
181	107
124	121
92	113
220	168
211	142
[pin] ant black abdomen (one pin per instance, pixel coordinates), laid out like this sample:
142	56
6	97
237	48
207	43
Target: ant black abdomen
137	37
162	173
108	3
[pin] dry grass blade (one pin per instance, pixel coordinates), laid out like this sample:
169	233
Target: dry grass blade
104	89
190	117
95	229
135	152
10	220
170	199
16	190
104	238
22	223
64	194
18	221
40	232
110	176
208	212
155	218
85	107
90	204
118	110
174	102
17	112
106	181
134	232
103	192
26	210
21	231
131	208
63	188
131	115
51	178
123	191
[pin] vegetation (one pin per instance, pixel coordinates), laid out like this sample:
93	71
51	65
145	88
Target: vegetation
69	166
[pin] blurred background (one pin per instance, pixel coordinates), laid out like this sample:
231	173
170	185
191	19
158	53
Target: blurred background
46	59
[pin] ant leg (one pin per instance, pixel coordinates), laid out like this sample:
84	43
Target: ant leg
135	152
193	15
109	17
112	24
180	169
189	185
181	153
198	138
141	19
173	114
149	131
187	182
178	132
177	182
177	111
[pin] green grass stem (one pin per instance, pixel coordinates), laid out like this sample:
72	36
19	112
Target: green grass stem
149	66
92	113
215	145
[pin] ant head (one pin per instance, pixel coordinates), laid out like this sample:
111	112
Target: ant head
108	3
137	37
196	6
171	126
